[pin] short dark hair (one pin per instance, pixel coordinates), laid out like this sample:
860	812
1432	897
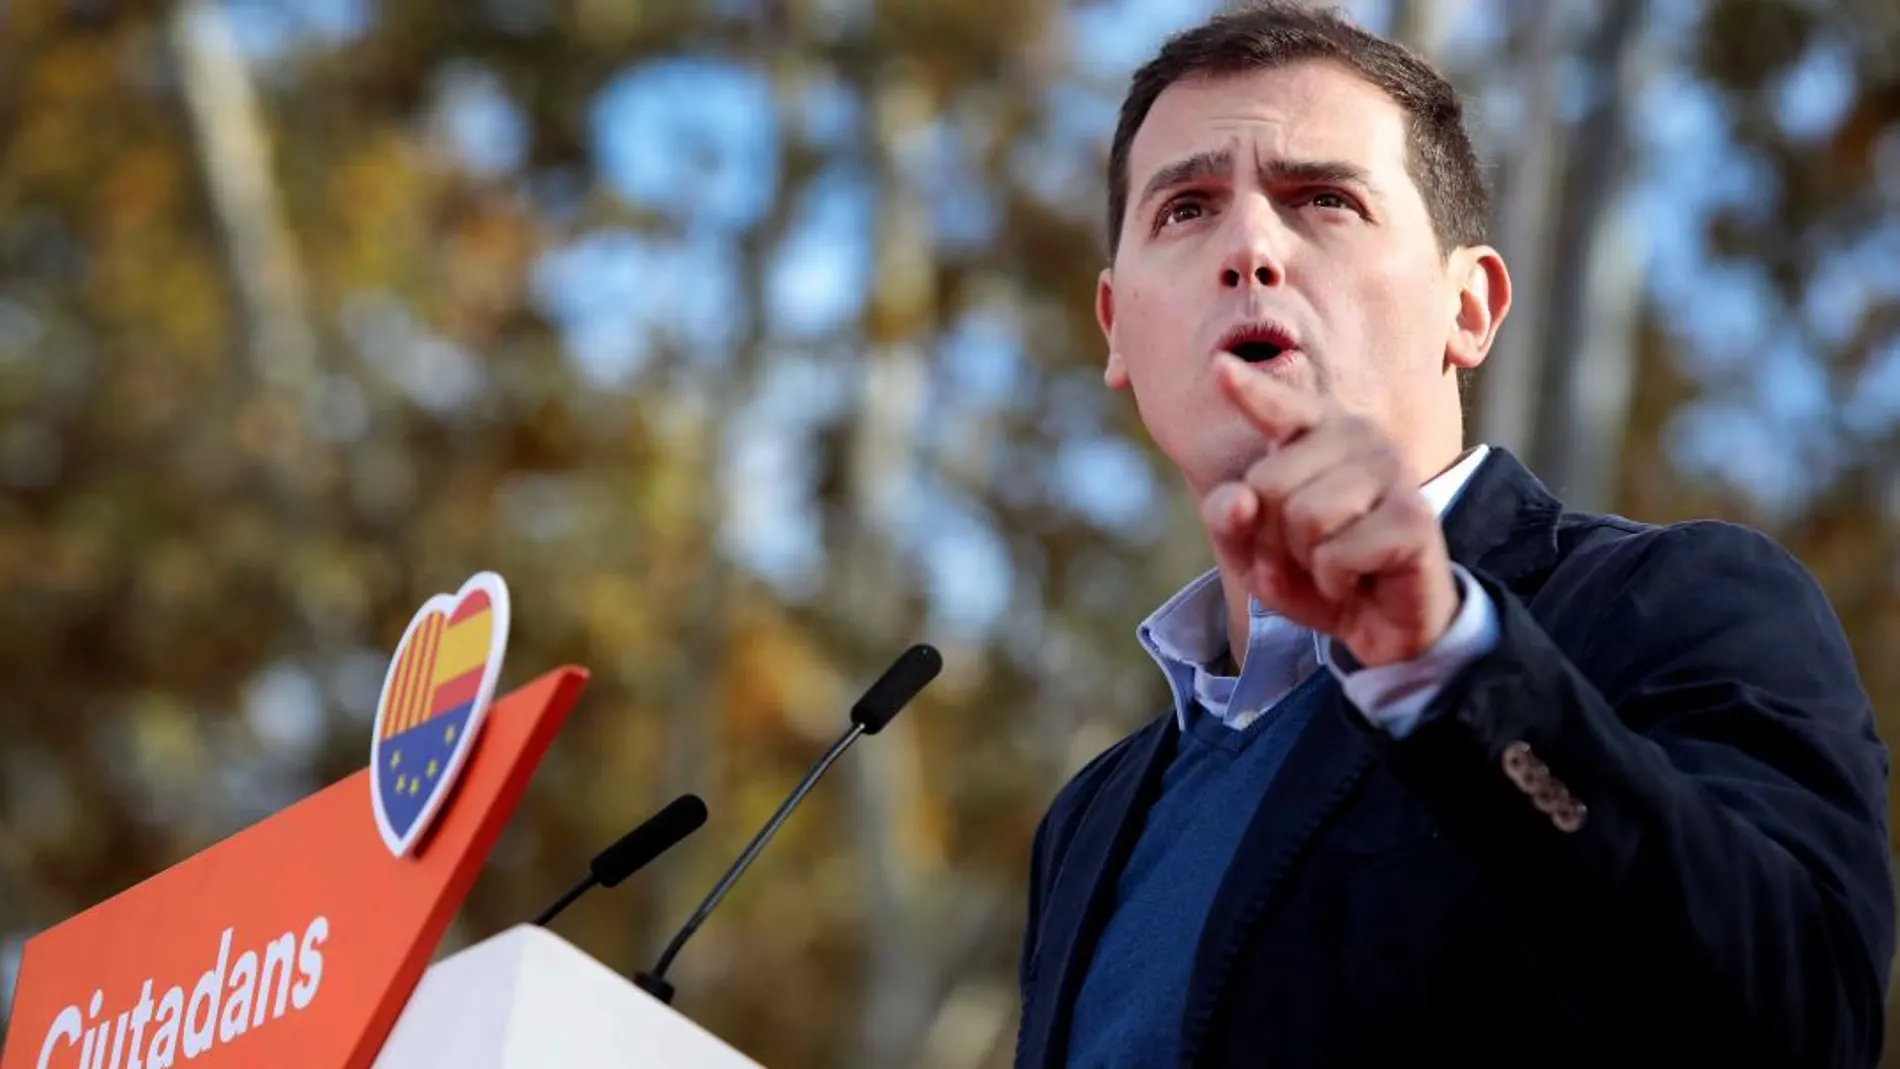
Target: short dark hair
1274	33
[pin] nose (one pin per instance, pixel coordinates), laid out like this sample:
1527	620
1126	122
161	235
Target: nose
1253	256
1261	273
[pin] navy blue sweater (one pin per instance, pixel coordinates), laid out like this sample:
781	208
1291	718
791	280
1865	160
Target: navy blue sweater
1128	1011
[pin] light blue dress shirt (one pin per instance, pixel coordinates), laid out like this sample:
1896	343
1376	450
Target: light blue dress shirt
1188	634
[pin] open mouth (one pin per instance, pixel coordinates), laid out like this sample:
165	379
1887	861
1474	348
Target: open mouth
1257	343
1256	352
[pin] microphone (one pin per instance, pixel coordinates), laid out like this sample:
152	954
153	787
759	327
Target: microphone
910	673
652	837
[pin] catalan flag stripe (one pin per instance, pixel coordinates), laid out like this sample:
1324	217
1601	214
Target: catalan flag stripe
442	667
425	639
418	646
419	701
411	660
406	671
418	693
389	693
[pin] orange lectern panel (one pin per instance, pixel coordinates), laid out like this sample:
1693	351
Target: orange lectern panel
293	943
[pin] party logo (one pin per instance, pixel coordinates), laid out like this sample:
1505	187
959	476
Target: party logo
435	695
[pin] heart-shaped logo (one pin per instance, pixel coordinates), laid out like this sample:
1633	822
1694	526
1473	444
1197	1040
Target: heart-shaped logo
435	695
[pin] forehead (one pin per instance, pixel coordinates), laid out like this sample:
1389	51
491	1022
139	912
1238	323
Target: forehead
1312	110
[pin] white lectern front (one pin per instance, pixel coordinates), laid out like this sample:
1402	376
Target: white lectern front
528	999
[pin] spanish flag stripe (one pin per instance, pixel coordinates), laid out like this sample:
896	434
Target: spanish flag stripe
474	603
457	691
463	648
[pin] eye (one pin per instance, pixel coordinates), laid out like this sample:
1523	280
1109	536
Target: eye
1333	200
1182	209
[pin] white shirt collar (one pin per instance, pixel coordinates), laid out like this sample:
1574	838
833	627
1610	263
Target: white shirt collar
1443	489
1188	633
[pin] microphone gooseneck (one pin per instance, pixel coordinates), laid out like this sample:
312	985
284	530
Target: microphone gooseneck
901	682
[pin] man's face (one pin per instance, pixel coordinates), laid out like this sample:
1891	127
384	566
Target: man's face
1271	214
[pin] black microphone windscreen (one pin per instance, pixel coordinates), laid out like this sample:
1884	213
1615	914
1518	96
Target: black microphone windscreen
911	672
655	836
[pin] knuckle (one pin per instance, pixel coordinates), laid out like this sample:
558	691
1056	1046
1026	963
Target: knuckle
1299	508
1328	565
1411	509
1313	523
1300	516
1325	558
1268	480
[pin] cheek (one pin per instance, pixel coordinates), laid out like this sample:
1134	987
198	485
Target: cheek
1148	328
1155	334
1396	314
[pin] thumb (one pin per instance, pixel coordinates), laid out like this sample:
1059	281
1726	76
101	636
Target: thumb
1279	411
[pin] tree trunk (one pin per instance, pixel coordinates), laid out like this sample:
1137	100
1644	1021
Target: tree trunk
900	981
689	690
1586	339
1510	381
233	145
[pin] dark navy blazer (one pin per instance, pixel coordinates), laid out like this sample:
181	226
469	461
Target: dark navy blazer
1649	828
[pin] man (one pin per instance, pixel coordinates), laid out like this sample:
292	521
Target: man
1452	776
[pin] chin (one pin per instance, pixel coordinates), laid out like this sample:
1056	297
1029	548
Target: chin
1223	454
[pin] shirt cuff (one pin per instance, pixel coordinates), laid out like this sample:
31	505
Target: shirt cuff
1395	696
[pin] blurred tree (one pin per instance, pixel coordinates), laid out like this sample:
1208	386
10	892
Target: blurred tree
1809	223
288	348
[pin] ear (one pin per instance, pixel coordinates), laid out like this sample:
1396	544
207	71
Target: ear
1484	299
1115	375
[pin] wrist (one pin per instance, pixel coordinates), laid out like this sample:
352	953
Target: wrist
1398	696
1444	601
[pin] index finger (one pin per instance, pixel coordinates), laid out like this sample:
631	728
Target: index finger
1277	409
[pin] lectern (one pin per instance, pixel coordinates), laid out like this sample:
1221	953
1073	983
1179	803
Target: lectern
527	999
303	941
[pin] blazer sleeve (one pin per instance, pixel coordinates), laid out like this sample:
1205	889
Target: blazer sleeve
1688	821
1032	920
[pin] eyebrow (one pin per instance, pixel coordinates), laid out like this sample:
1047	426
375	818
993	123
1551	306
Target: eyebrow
1219	162
1317	172
1196	168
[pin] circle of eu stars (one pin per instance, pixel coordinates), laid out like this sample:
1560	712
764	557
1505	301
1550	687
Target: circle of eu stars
407	784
